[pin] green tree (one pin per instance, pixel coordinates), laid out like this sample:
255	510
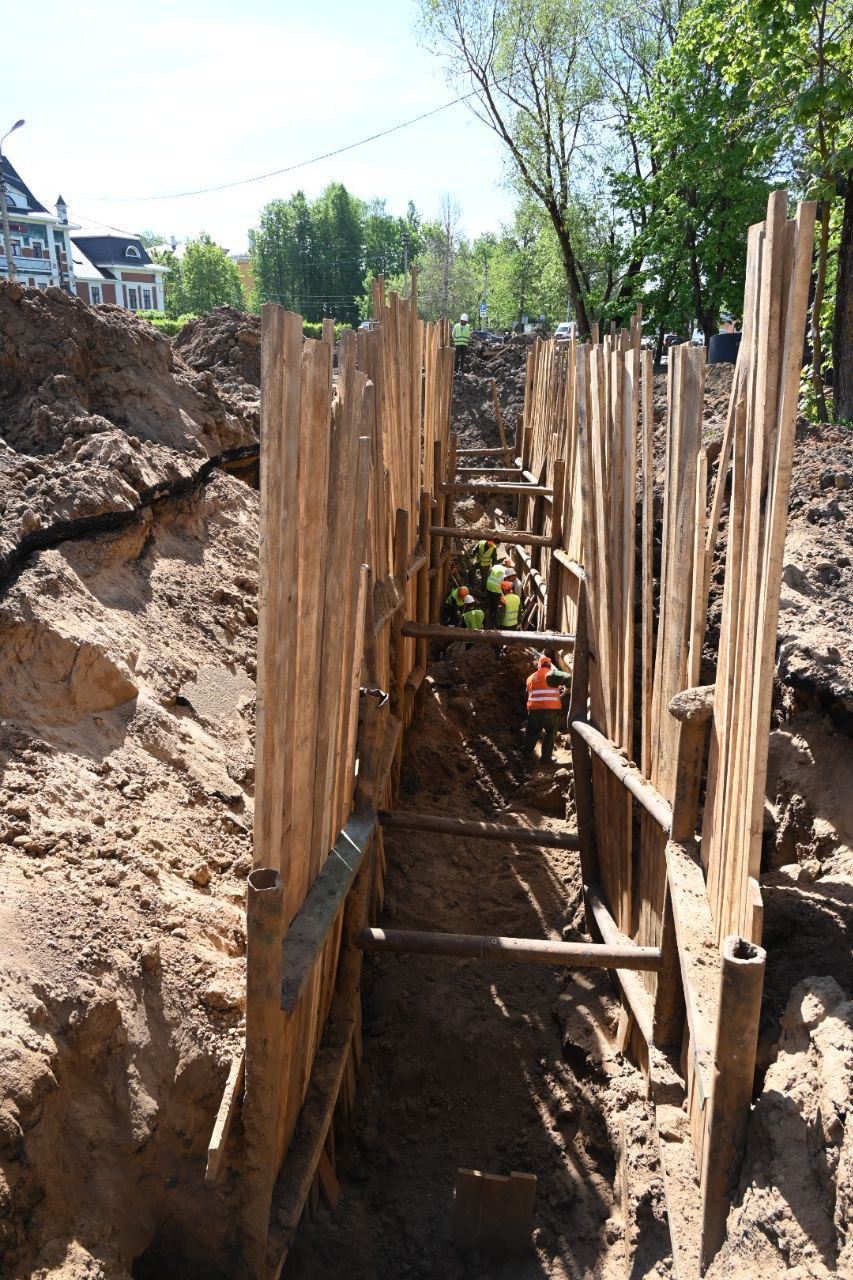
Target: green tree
448	278
208	277
795	58
337	243
280	250
534	86
708	180
309	256
173	283
151	238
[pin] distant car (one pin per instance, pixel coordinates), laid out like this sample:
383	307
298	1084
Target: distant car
566	330
486	335
369	324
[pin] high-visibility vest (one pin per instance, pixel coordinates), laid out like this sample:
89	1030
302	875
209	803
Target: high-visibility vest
474	618
461	334
485	554
512	607
495	578
455	598
540	695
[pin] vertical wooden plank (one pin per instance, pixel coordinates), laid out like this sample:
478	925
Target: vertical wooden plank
648	564
281	355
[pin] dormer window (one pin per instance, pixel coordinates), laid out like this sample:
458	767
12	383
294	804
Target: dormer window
132	252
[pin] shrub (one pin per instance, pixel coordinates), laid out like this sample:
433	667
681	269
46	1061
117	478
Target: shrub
314	329
163	323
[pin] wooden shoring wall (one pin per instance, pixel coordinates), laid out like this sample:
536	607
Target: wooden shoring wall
640	608
347	484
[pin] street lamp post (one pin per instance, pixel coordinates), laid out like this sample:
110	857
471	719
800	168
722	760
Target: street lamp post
4	207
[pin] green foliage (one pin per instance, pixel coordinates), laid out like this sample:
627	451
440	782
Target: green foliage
314	329
708	180
151	238
309	256
169	325
173	286
796	58
208	277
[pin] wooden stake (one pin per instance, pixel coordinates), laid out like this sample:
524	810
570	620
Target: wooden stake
741	985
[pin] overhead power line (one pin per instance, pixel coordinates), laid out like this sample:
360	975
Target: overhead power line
300	164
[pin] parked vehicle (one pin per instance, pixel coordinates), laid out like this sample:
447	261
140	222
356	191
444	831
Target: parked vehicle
565	330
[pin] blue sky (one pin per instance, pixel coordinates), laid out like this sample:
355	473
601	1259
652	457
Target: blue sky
128	100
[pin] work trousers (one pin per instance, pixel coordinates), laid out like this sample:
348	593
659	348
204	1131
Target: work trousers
539	721
492	598
461	358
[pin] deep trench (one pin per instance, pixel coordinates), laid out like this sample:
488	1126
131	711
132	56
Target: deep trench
470	1064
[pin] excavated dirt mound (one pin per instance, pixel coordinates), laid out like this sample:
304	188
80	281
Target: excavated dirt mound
473	408
127	651
228	343
98	416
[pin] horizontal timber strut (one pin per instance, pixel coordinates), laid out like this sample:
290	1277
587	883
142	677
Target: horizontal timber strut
574	955
311	925
416	563
485	486
568	563
435	631
479	453
487	471
512	537
403	820
628	774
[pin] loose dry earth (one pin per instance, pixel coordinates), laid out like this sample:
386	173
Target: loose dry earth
128	585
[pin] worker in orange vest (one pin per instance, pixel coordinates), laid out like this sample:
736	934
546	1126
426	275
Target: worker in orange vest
543	708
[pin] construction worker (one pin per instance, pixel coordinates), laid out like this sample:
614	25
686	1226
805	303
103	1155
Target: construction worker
543	708
484	555
509	607
461	338
471	615
494	593
453	605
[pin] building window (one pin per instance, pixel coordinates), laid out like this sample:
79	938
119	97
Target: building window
94	294
132	299
16	248
132	252
146	299
37	249
32	282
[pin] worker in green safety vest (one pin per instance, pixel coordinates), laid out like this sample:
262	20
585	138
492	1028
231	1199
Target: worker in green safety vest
483	557
461	338
453	605
472	616
498	574
509	608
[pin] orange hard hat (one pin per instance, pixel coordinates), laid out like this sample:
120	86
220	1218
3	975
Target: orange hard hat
506	585
545	661
507	562
490	543
463	591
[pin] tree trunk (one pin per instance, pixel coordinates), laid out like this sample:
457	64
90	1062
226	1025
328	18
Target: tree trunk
817	307
842	323
572	277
